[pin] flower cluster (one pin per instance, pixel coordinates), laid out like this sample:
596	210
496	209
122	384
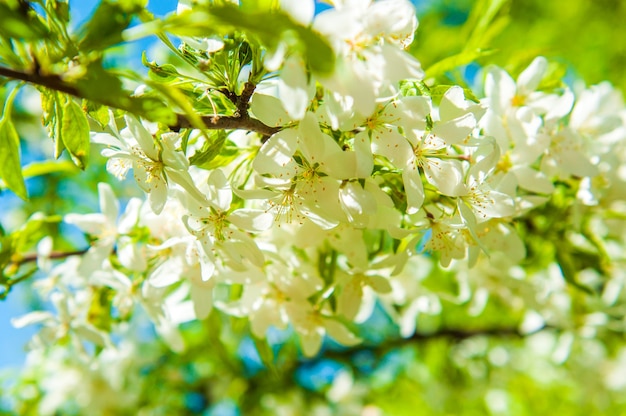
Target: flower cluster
369	177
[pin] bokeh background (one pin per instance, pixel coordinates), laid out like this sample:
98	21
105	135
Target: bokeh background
451	373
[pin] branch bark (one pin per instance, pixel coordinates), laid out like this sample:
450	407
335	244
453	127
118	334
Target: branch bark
244	122
240	121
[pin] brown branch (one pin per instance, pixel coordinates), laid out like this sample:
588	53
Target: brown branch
241	121
454	335
53	82
228	123
244	99
55	255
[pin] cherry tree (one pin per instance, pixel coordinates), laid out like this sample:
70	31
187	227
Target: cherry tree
280	180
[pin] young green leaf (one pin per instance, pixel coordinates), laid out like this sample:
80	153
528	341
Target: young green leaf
75	133
10	169
209	151
105	27
269	27
21	24
10	166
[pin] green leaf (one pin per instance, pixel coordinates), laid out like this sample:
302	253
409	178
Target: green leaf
270	28
100	85
50	105
75	133
47	167
273	27
21	23
438	91
484	23
105	27
160	73
256	6
10	165
455	61
209	150
62	10
104	87
568	268
67	125
98	113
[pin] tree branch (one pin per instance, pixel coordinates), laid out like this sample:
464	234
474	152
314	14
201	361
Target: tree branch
454	335
228	123
53	82
241	121
55	255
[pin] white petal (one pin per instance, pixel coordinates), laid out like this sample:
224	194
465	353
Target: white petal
311	343
32	318
93	224
357	203
143	136
92	334
293	88
302	11
220	194
252	220
394	147
379	284
202	298
400	65
276	155
129	219
269	110
455	131
453	104
166	273
340	333
502	205
131	255
158	197
533	180
530	78
446	175
413	188
106	139
349	301
364	158
499	89
184	179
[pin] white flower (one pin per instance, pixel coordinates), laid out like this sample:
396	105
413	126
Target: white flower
154	163
447	239
515	110
71	321
368	39
304	167
312	325
219	228
108	231
354	302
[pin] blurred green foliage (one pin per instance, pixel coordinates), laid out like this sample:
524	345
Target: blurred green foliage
457	363
587	36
